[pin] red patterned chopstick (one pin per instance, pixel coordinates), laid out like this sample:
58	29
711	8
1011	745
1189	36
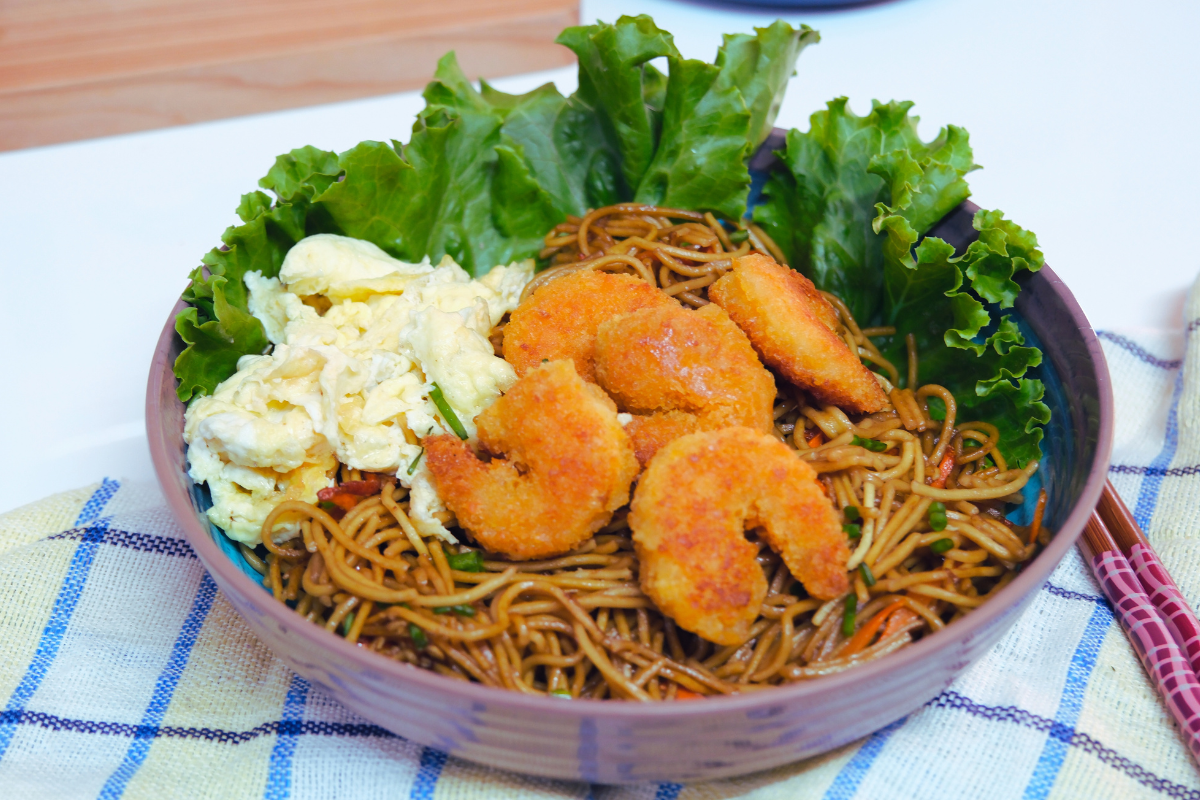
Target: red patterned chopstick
1155	579
1152	639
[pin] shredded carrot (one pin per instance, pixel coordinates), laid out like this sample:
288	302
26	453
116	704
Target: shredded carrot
816	441
363	488
342	500
684	694
863	637
897	621
944	470
1038	511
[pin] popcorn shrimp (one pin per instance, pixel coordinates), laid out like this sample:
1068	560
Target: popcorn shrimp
692	507
680	371
793	328
567	465
560	319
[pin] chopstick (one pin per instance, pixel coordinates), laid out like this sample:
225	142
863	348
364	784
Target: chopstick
1155	579
1152	639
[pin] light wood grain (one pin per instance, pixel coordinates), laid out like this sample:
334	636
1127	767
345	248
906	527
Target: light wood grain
73	69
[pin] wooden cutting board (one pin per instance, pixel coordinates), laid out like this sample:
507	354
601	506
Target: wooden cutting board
76	69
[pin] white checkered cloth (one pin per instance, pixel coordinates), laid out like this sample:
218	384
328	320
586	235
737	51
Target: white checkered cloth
123	671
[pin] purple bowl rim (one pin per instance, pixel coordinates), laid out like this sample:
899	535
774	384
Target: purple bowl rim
1027	582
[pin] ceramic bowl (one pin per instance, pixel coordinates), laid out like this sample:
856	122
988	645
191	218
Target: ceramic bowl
619	742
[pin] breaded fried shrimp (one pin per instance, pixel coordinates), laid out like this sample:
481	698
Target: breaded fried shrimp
689	516
793	329
679	371
560	319
561	465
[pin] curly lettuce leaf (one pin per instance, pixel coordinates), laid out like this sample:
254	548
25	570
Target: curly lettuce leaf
821	207
621	88
700	163
218	329
716	115
981	359
760	65
562	145
215	345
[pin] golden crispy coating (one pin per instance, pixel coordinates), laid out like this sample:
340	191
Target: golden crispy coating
680	371
691	510
792	328
650	432
567	466
559	320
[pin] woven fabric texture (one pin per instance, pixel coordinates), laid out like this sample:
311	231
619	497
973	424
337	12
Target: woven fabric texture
125	673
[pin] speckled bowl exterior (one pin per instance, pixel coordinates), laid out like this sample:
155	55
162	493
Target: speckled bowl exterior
619	742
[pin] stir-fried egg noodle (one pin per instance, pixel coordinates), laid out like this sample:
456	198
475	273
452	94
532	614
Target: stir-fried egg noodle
919	493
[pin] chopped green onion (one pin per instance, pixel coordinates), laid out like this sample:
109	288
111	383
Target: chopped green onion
937	408
738	236
419	639
941	545
545	361
867	576
439	400
848	618
348	623
413	466
563	693
328	505
852	513
986	462
463	611
853	530
871	444
937	516
469	561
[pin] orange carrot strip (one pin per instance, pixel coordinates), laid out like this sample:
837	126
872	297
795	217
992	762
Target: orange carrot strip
897	621
684	694
1038	511
863	637
816	441
944	470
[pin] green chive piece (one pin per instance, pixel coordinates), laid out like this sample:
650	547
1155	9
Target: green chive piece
347	623
852	513
937	516
867	576
419	639
853	530
738	236
327	505
871	444
413	466
469	561
937	408
941	545
439	400
986	462
848	618
563	693
462	611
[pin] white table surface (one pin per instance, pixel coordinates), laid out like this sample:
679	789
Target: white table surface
1085	115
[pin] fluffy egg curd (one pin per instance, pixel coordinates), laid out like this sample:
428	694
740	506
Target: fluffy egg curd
359	340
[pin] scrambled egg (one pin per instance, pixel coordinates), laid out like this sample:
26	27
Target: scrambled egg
349	384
